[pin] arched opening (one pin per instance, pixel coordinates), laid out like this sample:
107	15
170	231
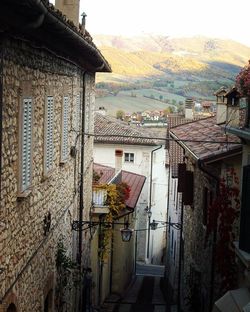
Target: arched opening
48	302
12	308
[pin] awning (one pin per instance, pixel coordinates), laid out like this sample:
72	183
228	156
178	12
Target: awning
233	301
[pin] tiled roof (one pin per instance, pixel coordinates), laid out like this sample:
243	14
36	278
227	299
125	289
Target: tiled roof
133	180
206	130
106	125
41	22
175	150
106	173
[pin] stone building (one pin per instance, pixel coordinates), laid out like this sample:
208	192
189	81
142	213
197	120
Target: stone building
47	90
238	297
210	168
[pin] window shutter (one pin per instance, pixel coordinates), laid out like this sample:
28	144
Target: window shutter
49	148
78	113
244	242
65	128
188	193
181	177
205	205
26	144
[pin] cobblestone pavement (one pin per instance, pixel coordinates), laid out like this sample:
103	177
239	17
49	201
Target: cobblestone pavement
143	296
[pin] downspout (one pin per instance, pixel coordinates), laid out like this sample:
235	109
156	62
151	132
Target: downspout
81	205
180	255
202	168
111	261
150	195
1	115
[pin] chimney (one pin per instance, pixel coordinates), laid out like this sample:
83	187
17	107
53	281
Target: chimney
70	8
118	160
233	107
83	21
221	105
102	110
189	109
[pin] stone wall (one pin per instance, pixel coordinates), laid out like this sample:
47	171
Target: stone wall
201	282
27	254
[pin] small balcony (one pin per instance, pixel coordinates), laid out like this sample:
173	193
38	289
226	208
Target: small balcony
99	198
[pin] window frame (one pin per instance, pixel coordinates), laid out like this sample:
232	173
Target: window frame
65	132
24	188
47	170
129	157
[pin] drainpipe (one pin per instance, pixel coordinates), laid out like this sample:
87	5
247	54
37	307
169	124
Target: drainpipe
1	113
81	206
211	303
150	195
180	254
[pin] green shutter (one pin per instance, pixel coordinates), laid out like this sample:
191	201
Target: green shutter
49	147
26	144
65	128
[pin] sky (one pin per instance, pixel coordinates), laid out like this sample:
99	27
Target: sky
223	19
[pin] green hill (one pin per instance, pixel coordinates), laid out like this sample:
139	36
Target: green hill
180	67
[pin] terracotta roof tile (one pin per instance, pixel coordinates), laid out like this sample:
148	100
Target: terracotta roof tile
106	125
133	180
206	130
106	173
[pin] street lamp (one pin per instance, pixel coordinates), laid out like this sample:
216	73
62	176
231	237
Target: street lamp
126	232
153	225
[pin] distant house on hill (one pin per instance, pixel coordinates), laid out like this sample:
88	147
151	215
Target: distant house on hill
130	148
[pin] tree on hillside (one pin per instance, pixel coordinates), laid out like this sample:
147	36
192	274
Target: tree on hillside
168	111
243	85
120	114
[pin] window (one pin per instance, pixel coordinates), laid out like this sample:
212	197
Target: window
205	205
26	144
49	128
244	242
64	146
78	113
129	157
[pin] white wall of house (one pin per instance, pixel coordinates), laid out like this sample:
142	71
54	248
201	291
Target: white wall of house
140	163
173	236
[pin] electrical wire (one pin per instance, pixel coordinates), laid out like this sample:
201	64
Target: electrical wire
159	138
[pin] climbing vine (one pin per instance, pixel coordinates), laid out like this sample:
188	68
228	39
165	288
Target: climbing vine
222	214
117	194
64	266
243	81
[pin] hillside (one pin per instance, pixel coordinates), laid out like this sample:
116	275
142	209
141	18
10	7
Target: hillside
187	67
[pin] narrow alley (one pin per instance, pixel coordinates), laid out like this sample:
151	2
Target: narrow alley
144	294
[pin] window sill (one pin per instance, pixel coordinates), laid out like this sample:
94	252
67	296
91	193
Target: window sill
242	255
48	174
63	162
23	195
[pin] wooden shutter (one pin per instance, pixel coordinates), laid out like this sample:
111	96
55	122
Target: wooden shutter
65	128
26	144
78	113
205	205
49	128
188	193
181	177
244	242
